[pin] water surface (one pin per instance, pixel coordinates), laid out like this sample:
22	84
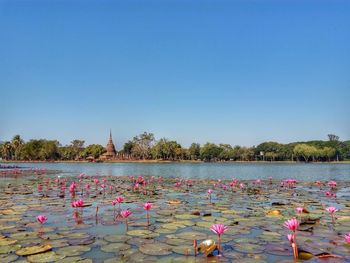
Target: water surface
300	171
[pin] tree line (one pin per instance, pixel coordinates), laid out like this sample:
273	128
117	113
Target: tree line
146	147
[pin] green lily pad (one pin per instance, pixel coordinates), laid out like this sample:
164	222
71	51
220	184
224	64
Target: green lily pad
115	247
8	258
73	250
184	250
185	216
156	249
116	238
191	235
142	233
7	241
9	248
45	257
74	259
26	251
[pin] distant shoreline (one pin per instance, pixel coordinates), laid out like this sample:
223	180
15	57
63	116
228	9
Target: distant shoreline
179	161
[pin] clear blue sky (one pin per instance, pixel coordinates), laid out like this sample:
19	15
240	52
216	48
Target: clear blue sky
238	72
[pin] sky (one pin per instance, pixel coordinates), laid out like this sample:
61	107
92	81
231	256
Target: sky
238	72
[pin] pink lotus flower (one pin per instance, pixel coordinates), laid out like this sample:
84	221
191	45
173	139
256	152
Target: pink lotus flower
210	191
219	229
126	213
300	210
292	224
329	194
96	181
114	202
147	206
78	203
87	186
41	219
332	184
119	199
81	176
347	238
331	209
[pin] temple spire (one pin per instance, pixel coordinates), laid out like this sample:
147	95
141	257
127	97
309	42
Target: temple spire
110	134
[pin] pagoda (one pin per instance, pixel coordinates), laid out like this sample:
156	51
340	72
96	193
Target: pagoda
110	153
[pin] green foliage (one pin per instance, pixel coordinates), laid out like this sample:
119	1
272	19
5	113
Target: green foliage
167	150
144	146
210	152
194	151
40	150
93	150
127	149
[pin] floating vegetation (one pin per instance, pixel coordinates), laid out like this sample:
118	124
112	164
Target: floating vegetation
47	218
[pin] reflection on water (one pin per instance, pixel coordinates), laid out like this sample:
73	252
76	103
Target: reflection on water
205	170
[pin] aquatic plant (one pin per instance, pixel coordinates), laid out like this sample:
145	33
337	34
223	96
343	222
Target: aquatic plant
41	219
299	211
96	181
332	184
147	206
347	238
210	191
331	210
125	214
219	229
292	225
195	247
119	200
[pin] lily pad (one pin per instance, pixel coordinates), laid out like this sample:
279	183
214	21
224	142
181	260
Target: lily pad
156	249
26	251
45	257
115	247
73	250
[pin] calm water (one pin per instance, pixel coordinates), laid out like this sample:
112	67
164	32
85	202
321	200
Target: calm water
205	170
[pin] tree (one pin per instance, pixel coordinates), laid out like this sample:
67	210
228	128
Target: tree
16	144
333	137
7	150
93	150
305	151
142	145
210	152
127	148
40	150
194	151
77	148
328	153
167	150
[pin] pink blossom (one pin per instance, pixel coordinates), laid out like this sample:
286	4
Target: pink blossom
218	229
41	219
292	224
147	206
78	203
347	238
331	209
125	213
299	210
332	184
119	199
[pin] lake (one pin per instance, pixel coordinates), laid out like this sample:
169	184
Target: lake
300	171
